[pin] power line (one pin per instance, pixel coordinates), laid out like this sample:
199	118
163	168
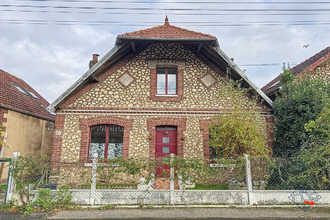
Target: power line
157	13
185	2
117	23
170	9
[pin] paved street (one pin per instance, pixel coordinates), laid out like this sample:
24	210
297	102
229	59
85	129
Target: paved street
179	213
196	213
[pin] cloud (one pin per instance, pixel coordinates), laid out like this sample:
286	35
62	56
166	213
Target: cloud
52	57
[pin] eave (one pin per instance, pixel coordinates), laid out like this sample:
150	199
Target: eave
208	47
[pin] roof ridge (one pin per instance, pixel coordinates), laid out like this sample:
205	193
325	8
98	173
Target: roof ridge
152	32
301	66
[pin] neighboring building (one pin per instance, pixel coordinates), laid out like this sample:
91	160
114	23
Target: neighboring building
153	94
26	122
317	65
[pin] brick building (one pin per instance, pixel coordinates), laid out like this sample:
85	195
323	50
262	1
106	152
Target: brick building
317	65
153	94
26	122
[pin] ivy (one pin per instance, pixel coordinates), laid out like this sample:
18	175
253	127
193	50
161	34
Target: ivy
29	171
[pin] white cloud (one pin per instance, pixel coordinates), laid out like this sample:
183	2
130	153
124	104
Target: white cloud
51	57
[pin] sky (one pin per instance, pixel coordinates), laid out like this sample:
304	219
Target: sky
49	43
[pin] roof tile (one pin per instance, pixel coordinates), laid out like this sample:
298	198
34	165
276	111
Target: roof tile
275	85
12	98
167	31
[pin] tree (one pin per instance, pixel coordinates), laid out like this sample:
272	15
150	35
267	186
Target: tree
243	131
316	151
302	100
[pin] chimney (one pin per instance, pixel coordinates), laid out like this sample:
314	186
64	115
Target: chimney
94	60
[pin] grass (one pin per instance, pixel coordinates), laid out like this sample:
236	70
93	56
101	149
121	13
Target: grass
209	187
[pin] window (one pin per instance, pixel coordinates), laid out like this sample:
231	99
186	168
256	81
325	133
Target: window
106	141
214	154
19	88
33	95
166	81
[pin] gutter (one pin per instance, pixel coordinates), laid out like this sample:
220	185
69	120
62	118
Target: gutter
244	76
29	114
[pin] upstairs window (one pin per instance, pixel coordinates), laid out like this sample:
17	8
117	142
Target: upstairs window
106	141
166	81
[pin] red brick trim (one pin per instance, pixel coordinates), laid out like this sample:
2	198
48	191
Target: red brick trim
204	125
85	124
57	138
215	80
185	111
3	111
126	86
180	123
180	65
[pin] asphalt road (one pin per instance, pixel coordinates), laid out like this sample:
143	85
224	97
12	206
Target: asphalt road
179	213
196	213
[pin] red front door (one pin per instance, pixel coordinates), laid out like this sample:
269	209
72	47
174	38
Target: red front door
166	143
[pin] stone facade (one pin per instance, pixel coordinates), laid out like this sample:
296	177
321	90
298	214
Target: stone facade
323	71
127	98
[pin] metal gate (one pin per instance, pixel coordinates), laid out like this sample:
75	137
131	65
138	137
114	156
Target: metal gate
4	188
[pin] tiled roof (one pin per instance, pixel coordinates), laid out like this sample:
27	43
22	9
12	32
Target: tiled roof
167	31
17	95
274	85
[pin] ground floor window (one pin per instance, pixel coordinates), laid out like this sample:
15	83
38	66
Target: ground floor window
106	141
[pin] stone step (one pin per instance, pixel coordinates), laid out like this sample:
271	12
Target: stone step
163	183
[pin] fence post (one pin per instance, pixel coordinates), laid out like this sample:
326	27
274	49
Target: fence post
171	180
248	179
11	182
93	184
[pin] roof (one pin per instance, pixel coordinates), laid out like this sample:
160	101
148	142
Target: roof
167	31
17	95
207	45
308	64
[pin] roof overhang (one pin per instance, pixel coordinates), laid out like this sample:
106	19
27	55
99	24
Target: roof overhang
211	46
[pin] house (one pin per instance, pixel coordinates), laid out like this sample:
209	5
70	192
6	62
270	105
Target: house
153	94
26	122
317	65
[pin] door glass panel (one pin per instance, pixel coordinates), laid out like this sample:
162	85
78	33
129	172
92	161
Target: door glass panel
166	150
166	140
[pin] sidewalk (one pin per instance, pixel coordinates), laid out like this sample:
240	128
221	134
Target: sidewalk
196	213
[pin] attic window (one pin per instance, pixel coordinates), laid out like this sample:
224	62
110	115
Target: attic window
19	88
208	80
33	95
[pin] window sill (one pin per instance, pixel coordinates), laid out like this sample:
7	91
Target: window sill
101	165
166	95
222	165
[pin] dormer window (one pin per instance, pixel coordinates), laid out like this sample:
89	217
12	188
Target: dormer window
166	81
